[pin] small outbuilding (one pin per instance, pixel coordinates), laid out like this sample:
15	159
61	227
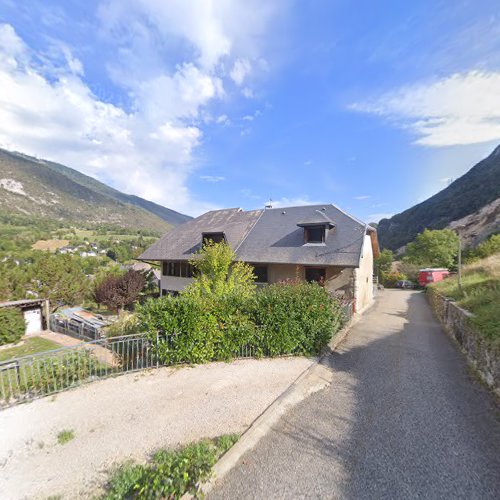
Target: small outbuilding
35	312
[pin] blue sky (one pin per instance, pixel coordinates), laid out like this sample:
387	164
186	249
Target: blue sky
201	104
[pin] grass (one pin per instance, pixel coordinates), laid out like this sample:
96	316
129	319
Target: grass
31	345
65	436
51	245
171	473
480	295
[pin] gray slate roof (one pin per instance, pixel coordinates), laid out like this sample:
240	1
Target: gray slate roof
269	236
182	241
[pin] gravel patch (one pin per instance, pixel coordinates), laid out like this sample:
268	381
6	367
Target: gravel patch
128	417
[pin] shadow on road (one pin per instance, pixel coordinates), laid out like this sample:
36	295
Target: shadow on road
402	419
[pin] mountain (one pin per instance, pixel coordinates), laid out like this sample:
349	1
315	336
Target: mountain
45	189
471	197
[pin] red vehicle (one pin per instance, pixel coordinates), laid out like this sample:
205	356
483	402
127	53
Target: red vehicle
431	275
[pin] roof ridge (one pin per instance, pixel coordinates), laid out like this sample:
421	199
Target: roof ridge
359	221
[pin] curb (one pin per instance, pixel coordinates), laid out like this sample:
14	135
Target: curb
313	379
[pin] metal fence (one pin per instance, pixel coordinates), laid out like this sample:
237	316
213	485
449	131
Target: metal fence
76	329
42	374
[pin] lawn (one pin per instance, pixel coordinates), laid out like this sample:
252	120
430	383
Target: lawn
31	345
51	245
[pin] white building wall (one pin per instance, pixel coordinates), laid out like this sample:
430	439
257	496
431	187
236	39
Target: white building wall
363	277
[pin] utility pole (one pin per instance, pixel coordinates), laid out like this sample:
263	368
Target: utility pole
459	263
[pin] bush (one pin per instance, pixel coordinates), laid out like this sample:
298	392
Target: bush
389	280
296	318
171	473
12	325
286	318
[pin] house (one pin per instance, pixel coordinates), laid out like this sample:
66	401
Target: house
314	243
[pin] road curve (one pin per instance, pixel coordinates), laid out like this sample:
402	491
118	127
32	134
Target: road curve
402	419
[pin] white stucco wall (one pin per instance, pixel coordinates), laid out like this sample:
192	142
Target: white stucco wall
363	277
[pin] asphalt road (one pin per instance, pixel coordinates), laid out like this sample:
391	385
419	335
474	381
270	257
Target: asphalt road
402	419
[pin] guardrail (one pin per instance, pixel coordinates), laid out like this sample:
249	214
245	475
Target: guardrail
42	374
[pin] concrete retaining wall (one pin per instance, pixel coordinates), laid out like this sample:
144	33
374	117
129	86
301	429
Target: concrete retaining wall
479	354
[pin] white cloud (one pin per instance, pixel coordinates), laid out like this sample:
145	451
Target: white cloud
294	202
47	107
308	162
240	70
212	178
248	93
463	108
362	197
223	120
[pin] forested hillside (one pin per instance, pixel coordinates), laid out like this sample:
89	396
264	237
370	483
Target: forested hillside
47	190
477	188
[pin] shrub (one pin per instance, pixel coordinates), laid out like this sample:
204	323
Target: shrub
171	473
296	318
389	280
12	325
127	324
287	318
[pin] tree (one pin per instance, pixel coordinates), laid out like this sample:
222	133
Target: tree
383	263
119	291
60	279
438	248
12	325
219	274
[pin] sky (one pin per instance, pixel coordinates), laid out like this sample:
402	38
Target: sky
206	104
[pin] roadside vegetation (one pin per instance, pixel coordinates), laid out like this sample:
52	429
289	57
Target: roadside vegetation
65	436
171	473
431	248
480	295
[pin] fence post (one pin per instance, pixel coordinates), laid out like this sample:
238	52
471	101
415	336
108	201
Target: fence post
157	357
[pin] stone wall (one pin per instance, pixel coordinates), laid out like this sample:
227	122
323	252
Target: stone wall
479	353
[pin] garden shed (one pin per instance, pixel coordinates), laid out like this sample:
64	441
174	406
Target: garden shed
34	313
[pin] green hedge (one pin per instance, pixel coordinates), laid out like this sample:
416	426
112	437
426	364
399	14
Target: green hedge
12	325
285	318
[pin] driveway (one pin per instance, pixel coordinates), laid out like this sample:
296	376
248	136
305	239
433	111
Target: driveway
402	419
129	417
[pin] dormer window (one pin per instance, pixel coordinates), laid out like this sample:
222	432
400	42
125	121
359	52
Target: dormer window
316	229
314	234
213	238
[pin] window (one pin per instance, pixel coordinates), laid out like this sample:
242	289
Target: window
213	237
317	274
314	234
179	269
260	273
